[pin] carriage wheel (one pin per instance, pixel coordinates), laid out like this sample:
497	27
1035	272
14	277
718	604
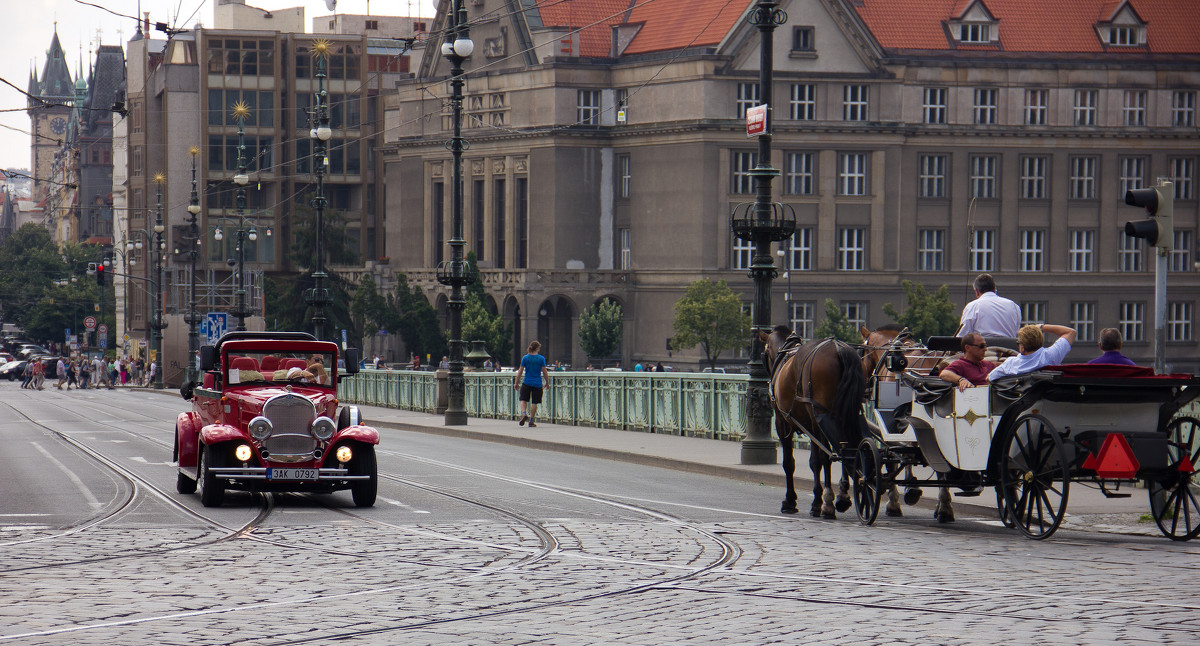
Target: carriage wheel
1006	518
1174	500
1034	477
867	481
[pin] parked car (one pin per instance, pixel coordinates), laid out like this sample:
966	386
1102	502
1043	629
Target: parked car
29	350
12	370
717	370
6	357
260	421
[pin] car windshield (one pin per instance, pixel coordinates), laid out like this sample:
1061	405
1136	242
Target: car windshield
280	367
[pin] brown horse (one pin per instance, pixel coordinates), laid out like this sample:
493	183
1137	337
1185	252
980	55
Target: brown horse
816	387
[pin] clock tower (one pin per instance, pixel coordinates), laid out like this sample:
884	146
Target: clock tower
49	108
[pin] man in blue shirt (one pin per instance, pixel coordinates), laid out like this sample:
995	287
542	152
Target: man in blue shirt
1033	355
532	377
1110	343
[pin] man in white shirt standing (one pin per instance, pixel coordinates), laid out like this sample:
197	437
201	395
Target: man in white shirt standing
989	315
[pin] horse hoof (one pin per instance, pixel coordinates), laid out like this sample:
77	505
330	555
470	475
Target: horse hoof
943	517
788	510
815	513
894	513
829	516
842	505
912	496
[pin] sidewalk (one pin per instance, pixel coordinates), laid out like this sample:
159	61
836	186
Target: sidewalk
723	459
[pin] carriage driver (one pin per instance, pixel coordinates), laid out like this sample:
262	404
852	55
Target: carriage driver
970	369
1032	355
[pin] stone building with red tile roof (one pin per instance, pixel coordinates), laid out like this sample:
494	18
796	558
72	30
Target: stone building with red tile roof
923	140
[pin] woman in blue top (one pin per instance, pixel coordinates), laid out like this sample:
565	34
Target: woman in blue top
531	378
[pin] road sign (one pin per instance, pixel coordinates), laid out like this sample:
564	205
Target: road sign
89	323
218	325
103	329
141	343
103	342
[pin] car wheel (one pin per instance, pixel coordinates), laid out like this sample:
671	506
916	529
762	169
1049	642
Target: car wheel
184	484
363	491
212	489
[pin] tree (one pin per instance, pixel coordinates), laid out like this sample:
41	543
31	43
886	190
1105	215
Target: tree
927	314
30	262
478	322
369	309
836	325
600	329
286	297
710	315
415	320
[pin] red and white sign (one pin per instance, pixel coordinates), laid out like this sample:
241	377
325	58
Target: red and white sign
756	120
104	329
90	322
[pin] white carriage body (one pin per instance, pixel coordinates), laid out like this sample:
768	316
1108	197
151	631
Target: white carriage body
963	430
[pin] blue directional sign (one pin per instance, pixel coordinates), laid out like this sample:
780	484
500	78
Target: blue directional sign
217	326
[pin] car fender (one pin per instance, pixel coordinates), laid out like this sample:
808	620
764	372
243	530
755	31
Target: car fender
364	434
187	431
216	433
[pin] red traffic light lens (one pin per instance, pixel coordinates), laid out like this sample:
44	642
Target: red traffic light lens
99	267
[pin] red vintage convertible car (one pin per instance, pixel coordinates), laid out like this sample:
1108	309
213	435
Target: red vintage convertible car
266	418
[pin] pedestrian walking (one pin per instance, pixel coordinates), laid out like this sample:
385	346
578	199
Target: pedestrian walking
531	378
72	377
27	375
39	375
85	373
60	369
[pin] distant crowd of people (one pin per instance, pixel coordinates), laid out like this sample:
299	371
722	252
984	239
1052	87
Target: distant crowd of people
90	373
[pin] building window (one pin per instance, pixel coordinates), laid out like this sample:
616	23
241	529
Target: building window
1179	321
1083	178
983	250
499	224
747	97
933	109
799	250
931	249
799	173
1079	255
588	111
1129	253
1183	108
1183	169
626	252
803	102
802	39
521	215
1033	312
624	179
802	316
1035	107
985	105
1135	108
932	177
1032	246
372	24
852	249
1130	320
974	32
854	103
1123	36
852	173
1083	320
1033	178
743	251
1181	251
1133	172
478	210
622	105
1085	107
855	313
983	177
438	204
743	163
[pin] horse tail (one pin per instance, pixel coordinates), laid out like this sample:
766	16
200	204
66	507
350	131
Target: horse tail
847	405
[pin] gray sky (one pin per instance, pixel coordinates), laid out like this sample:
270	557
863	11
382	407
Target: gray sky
82	27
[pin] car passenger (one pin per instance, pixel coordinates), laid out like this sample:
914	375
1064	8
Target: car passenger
971	369
1032	355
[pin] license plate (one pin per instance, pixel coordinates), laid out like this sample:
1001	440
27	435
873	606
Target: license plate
292	474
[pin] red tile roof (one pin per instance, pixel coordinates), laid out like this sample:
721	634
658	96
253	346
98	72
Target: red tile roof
1034	26
670	24
593	18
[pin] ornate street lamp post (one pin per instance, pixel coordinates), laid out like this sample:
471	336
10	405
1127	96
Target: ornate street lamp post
454	274
240	112
193	318
157	322
762	222
318	297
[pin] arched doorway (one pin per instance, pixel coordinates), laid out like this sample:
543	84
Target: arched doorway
512	316
556	317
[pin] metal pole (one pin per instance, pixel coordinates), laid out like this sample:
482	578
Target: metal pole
156	321
241	111
318	297
1160	309
193	318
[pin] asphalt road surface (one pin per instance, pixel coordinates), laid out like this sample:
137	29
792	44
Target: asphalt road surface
481	543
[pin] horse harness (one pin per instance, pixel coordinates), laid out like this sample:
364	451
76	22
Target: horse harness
791	346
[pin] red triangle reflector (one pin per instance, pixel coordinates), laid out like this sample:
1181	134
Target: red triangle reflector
1116	458
1186	466
1090	462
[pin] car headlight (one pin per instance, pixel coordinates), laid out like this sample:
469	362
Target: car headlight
243	452
260	428
323	428
344	453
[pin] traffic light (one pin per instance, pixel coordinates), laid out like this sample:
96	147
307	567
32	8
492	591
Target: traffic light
1159	201
100	271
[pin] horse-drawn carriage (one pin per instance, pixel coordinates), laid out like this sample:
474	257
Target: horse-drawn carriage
1029	437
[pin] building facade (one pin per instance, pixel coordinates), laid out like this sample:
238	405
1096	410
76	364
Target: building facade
926	141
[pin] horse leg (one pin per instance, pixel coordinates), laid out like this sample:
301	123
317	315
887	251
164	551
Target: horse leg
944	512
893	506
911	494
789	469
827	509
843	496
814	464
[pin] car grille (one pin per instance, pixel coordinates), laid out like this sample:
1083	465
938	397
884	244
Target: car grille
291	418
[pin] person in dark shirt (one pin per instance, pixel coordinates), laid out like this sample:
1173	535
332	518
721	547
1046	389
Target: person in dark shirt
971	369
1110	343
